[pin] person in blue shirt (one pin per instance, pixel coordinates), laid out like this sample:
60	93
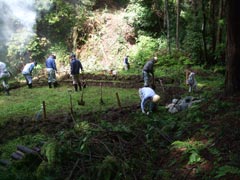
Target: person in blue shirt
148	97
76	68
4	76
51	71
27	72
148	71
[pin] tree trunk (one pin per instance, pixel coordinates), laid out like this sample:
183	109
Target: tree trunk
220	15
214	6
219	36
232	78
204	33
177	24
167	22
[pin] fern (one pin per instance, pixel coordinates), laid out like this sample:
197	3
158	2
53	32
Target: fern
50	151
224	170
190	147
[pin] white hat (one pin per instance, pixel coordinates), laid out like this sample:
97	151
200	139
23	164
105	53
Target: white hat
156	98
174	101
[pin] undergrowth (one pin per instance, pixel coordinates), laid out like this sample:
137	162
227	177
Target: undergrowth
108	143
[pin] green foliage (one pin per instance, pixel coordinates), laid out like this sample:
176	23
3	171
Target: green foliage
25	168
141	16
82	127
26	140
22	102
50	151
58	21
218	105
146	48
227	170
192	148
60	50
37	48
108	168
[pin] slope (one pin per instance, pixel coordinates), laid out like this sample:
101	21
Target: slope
108	42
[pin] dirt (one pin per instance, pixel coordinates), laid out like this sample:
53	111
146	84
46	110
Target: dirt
109	39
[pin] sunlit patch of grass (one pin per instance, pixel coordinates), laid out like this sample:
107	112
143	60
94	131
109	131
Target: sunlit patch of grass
27	102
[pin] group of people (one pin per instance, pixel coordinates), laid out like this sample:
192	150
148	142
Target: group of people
147	94
51	69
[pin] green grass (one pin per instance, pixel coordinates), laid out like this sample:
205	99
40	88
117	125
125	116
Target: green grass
27	102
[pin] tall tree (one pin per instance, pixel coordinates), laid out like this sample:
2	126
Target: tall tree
204	31
166	21
232	78
220	17
177	23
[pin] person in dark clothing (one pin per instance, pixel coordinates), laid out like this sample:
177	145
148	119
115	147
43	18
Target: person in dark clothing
126	63
76	68
51	71
148	71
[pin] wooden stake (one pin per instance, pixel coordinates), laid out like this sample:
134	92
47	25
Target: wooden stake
44	110
187	72
118	100
71	105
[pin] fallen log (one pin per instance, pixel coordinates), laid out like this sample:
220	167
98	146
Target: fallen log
26	150
4	162
16	156
20	153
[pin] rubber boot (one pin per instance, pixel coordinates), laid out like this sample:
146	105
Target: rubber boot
6	91
76	87
29	86
55	84
80	87
50	85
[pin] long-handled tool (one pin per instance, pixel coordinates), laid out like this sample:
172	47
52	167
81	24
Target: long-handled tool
161	83
101	100
81	102
153	82
84	84
70	100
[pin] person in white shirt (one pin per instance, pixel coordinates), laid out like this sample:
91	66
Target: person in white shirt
4	76
27	72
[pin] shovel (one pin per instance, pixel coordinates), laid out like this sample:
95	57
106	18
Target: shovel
84	84
162	85
70	98
101	100
81	102
153	83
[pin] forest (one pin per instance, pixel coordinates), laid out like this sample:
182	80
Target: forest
100	130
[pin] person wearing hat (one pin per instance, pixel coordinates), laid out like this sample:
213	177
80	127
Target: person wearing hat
27	72
148	95
51	71
148	71
4	76
76	68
